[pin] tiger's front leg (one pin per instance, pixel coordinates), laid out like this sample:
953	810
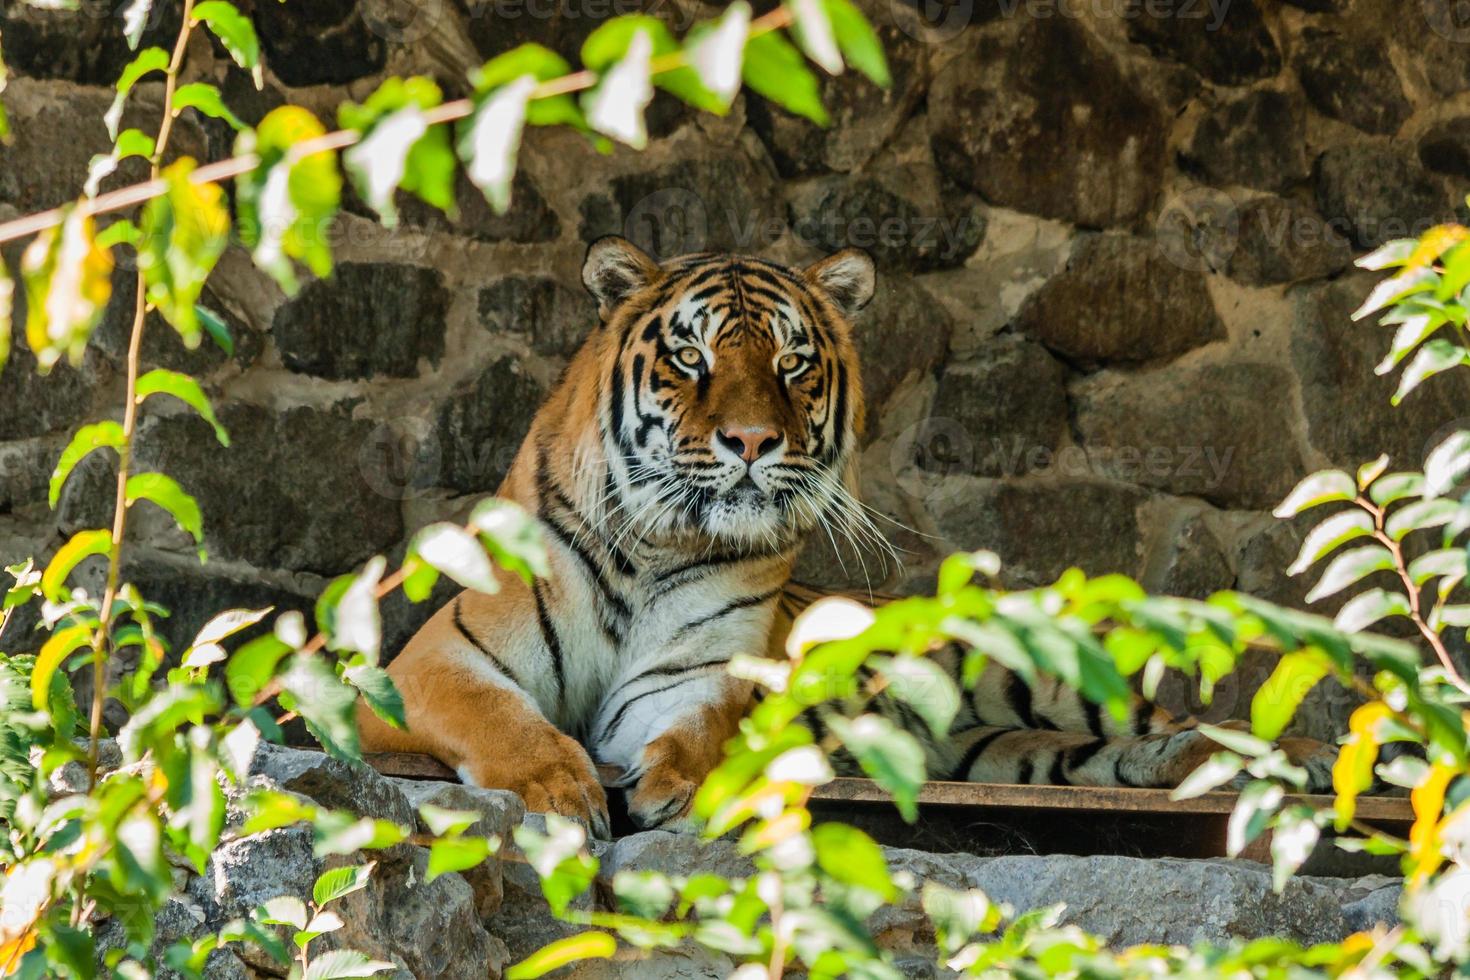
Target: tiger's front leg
478	688
667	729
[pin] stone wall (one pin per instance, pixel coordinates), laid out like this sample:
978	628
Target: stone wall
1111	330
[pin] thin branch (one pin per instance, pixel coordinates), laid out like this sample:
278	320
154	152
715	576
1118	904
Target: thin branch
100	640
126	197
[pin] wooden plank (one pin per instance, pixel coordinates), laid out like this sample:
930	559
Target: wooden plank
409	765
1088	798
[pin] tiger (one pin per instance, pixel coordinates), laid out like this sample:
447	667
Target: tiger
707	426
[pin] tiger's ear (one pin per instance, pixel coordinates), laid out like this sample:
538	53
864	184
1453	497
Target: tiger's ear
615	268
847	277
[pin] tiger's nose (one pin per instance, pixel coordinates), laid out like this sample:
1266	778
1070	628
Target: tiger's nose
749	442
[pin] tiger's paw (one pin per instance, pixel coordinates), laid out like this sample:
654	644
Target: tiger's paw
557	777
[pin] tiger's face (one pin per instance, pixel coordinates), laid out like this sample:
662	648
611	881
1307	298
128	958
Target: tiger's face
732	402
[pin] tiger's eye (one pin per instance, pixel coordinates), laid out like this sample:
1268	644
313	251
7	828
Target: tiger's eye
789	362
690	356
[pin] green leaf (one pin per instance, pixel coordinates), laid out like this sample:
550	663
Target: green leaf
491	139
325	704
356	623
1275	703
184	233
1213	773
1371	471
165	492
98	435
1362	611
343	832
82	545
573	949
235	32
1395	487
1251	815
1420	516
442	820
1328	536
776	70
925	687
339	964
1350	567
455	552
812	28
565	870
958	915
512	536
286	205
337	882
378	691
1242	743
615	106
1444	562
135	19
148	60
251	667
1388	255
455	854
1446	464
1322	487
850	856
1434	357
120	232
218	330
1292	841
1407	338
543	65
400	148
1391	291
207	99
859	42
68	281
377	163
715	52
224	625
160	381
58	646
7	307
130	143
646	894
889	755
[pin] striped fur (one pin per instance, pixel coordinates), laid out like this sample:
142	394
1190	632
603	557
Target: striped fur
702	432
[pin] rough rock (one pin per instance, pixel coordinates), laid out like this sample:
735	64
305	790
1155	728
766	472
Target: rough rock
1445	148
1219	432
1041	528
1126	901
900	234
1004	413
902	333
729	203
1378	193
35	404
1190	560
1121	299
501	812
1254	140
555	317
1278	240
288	493
162	345
529	219
366	319
1050	95
326	42
1351	79
83	45
481	426
1349	417
1228	44
863	117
